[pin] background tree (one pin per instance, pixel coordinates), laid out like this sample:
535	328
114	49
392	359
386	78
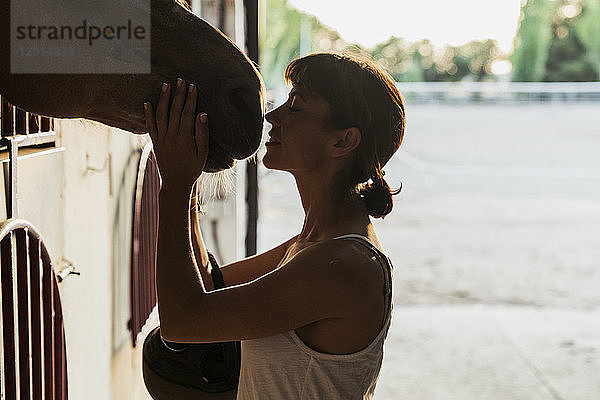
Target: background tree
534	37
421	61
567	56
287	30
280	42
558	40
588	31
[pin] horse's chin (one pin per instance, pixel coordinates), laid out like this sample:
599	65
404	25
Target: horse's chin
218	160
219	167
222	154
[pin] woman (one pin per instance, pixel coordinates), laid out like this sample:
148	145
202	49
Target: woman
313	312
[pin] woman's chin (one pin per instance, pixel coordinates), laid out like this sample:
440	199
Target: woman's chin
267	161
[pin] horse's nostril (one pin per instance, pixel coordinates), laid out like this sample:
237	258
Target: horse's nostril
241	102
246	105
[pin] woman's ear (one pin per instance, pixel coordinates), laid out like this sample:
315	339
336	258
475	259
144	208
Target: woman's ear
347	140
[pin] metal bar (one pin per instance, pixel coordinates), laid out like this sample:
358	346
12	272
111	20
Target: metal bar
143	264
23	313
9	377
252	207
35	123
222	12
60	359
13	149
252	48
36	316
21	122
137	264
31	139
47	124
148	267
13	143
7	123
135	245
48	300
2	380
155	193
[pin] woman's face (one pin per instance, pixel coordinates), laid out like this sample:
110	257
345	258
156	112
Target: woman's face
300	136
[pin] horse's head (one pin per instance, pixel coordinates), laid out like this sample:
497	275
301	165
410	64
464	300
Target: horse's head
229	87
182	45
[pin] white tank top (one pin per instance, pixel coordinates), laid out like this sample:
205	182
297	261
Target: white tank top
284	367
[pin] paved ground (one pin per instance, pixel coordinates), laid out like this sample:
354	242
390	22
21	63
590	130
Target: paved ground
495	241
491	352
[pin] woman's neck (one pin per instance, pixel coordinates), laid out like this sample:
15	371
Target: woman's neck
328	214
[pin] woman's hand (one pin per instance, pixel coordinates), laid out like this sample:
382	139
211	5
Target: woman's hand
180	138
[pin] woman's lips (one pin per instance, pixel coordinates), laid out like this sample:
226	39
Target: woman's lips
272	142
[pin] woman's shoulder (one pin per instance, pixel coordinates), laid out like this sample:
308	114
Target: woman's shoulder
370	240
348	262
350	246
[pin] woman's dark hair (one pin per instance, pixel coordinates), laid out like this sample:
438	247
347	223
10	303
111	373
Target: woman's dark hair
362	95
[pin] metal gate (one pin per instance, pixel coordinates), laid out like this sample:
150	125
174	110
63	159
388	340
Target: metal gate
14	121
33	359
143	246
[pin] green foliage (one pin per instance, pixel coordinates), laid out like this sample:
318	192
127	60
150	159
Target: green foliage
567	60
558	40
421	61
282	37
588	31
280	42
285	28
533	40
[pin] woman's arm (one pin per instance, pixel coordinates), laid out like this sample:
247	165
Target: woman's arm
237	272
323	281
254	267
176	273
180	142
198	247
329	280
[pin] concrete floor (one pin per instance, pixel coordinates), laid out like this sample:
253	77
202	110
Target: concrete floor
495	242
491	352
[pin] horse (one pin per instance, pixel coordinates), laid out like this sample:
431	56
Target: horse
230	88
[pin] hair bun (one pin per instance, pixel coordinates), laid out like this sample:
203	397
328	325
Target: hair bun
378	196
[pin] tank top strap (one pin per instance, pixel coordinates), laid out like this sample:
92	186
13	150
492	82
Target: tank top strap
384	261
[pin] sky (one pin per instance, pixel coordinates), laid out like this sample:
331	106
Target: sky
443	22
